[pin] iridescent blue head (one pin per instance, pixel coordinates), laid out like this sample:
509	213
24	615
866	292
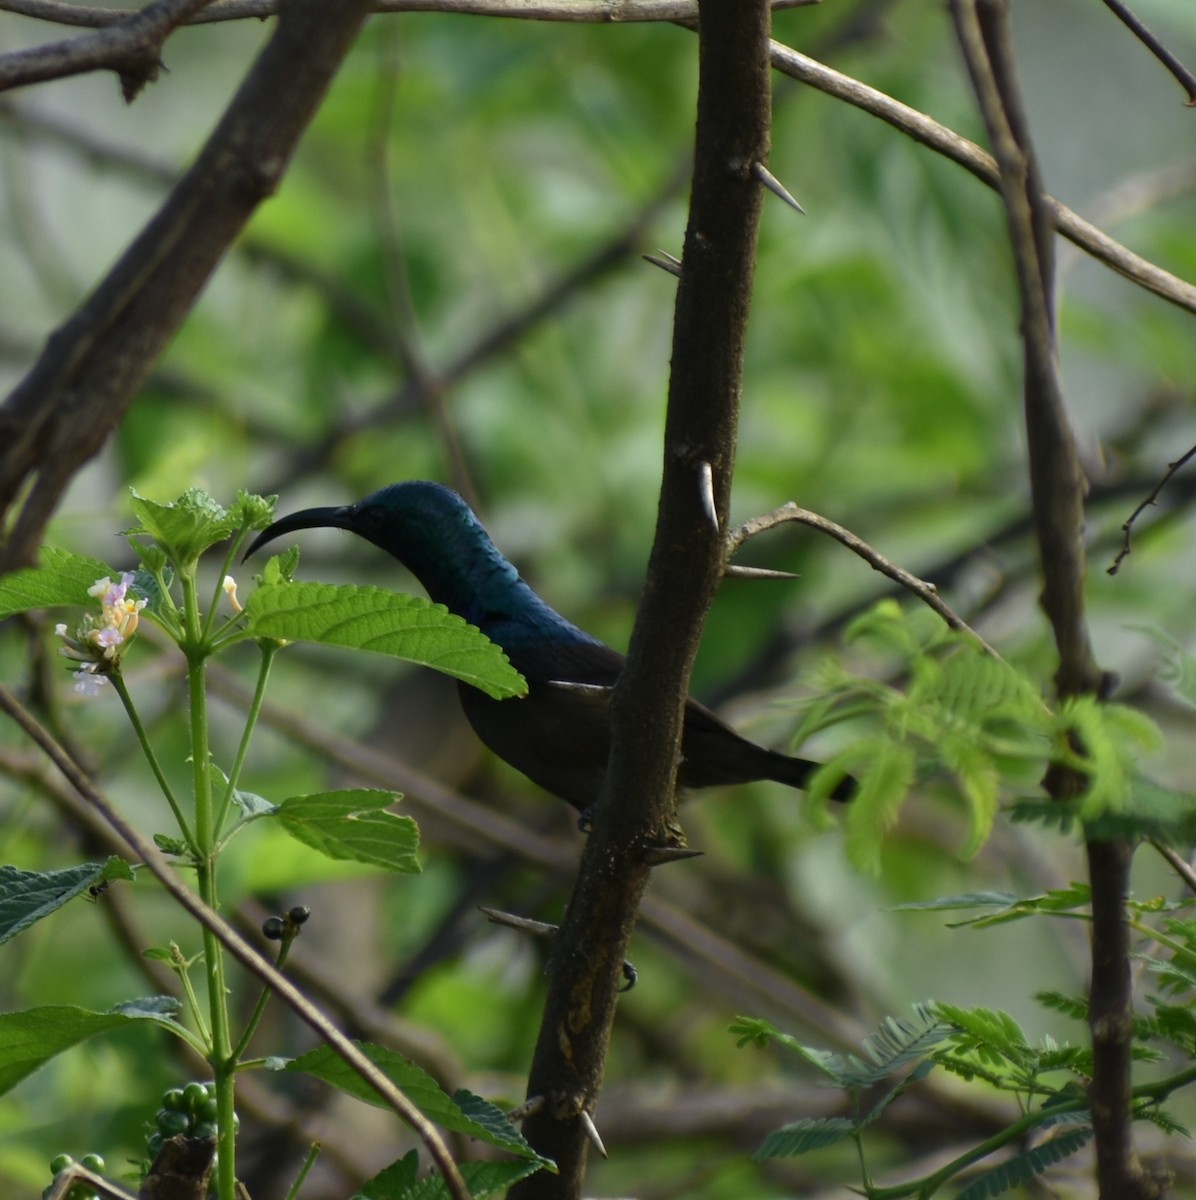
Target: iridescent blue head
437	537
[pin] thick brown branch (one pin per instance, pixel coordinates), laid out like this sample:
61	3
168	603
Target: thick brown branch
635	811
62	412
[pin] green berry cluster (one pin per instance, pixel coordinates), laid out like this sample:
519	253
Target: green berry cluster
189	1110
81	1191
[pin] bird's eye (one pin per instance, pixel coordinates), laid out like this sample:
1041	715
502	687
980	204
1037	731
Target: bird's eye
370	516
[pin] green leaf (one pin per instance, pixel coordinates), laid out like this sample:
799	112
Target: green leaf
1021	1168
963	900
28	896
800	1137
355	825
185	528
987	1029
874	807
252	512
898	1041
30	1039
399	1181
62	579
475	1117
370	618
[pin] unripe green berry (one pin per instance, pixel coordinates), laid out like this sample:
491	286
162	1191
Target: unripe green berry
170	1123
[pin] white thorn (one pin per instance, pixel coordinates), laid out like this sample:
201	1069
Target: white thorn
774	185
706	489
586	689
587	1123
523	924
666	262
738	572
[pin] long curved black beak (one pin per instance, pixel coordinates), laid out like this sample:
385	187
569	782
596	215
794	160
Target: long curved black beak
308	518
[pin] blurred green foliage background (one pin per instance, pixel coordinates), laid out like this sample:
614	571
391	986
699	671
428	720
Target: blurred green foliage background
449	285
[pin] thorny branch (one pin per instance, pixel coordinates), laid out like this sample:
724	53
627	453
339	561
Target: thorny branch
634	814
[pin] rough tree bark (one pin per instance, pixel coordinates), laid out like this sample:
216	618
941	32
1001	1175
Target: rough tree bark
636	809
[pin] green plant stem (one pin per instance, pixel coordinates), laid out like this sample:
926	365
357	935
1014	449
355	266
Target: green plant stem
179	965
313	1152
225	569
1154	1092
147	749
929	1184
269	649
196	649
259	1011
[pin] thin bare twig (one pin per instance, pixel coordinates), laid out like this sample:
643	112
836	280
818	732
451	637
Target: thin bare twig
1177	863
1149	502
157	863
573	11
972	158
131	47
1183	76
925	591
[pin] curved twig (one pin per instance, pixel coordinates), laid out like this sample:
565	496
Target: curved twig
923	589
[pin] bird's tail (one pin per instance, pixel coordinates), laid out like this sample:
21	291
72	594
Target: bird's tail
797	773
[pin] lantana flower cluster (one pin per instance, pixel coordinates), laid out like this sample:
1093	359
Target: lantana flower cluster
98	642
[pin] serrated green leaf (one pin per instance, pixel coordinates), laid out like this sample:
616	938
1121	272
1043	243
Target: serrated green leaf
30	1039
28	896
62	579
370	618
184	528
400	1180
249	511
353	825
421	1089
800	1137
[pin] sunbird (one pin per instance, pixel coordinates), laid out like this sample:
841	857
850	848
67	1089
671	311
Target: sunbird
558	735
